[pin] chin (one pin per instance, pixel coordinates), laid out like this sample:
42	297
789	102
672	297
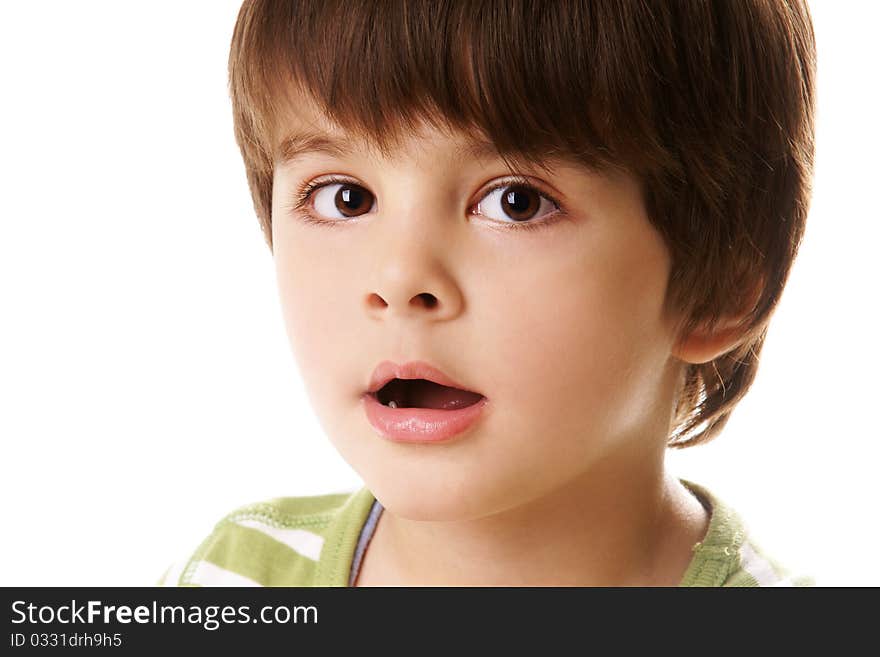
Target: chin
435	501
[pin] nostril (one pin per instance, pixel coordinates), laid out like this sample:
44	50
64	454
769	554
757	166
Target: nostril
427	300
377	302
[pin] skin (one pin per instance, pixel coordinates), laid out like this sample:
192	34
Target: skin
564	330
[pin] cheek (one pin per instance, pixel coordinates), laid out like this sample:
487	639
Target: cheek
312	303
577	344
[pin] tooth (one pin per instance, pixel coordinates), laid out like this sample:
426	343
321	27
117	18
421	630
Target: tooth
392	404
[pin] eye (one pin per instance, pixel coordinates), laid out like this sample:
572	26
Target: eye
518	201
331	201
341	200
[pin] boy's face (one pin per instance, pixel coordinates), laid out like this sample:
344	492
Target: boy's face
563	329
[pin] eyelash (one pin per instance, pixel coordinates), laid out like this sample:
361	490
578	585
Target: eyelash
304	193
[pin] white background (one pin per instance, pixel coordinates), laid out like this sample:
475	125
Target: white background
146	384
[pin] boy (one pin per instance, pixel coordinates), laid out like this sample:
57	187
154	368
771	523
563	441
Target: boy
522	248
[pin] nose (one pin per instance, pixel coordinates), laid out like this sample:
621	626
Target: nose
414	277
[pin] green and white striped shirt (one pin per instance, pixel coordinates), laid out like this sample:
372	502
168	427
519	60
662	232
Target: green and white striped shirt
318	541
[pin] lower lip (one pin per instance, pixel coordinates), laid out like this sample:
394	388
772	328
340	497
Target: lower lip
420	425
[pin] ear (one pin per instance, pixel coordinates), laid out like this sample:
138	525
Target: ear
704	344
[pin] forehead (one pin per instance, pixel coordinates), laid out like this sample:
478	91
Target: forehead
304	130
301	142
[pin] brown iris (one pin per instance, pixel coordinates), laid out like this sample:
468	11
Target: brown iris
520	203
352	200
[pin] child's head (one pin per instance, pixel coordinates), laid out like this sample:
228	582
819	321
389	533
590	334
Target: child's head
670	148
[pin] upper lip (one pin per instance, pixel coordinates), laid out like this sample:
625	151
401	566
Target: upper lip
416	369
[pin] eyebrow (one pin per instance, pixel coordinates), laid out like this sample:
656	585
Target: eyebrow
299	144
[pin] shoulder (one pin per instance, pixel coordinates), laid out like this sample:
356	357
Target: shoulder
756	567
277	542
730	556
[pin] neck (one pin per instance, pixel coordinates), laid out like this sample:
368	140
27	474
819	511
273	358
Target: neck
612	526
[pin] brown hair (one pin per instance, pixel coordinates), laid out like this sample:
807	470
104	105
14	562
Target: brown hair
709	104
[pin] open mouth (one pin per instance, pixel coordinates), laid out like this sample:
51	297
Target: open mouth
421	393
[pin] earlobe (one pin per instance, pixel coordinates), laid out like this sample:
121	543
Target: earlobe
704	344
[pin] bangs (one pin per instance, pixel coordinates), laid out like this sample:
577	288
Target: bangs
539	82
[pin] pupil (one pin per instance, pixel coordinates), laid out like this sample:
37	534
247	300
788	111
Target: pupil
517	202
